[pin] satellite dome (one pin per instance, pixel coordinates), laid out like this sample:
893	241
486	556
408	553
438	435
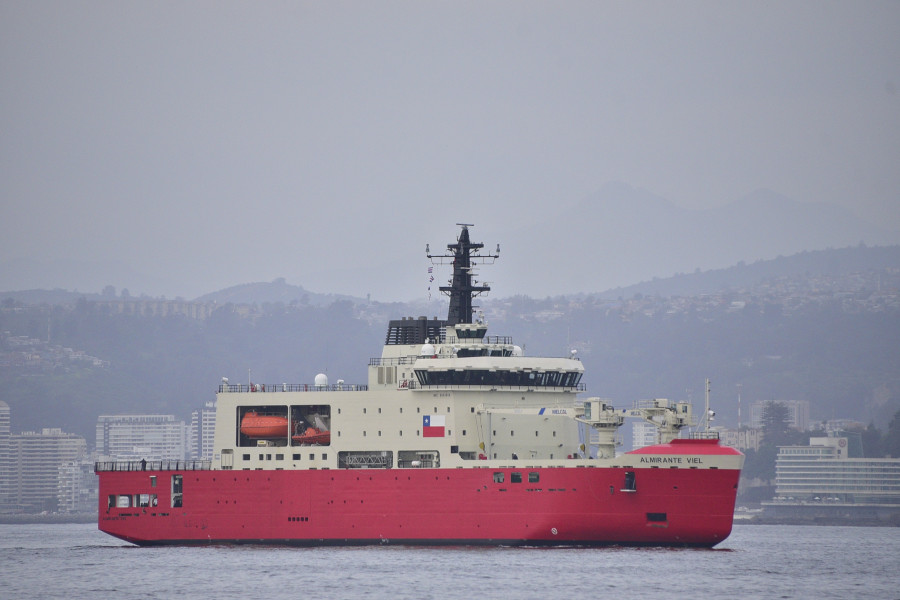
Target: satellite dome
517	351
321	380
427	350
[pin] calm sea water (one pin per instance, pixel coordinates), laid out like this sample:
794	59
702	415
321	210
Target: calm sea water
758	561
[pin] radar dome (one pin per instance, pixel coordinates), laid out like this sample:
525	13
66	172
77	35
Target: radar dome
321	380
517	351
427	350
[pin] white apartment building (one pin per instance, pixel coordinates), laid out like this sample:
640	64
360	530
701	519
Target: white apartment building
34	472
203	430
77	491
136	437
824	472
741	439
5	458
643	434
798	413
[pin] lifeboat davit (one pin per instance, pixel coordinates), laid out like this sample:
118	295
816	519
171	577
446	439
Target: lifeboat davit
255	425
313	436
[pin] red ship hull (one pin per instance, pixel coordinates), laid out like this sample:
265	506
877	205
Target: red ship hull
580	506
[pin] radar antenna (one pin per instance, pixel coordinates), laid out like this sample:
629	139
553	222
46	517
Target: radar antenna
464	255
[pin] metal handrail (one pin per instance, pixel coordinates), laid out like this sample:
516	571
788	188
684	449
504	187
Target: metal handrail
152	465
290	387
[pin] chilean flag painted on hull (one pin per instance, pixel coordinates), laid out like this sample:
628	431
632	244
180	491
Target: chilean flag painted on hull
433	426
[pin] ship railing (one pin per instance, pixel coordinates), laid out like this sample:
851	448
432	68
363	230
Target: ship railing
488	340
581	387
237	388
152	465
384	362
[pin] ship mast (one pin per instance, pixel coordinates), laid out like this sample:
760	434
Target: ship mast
462	289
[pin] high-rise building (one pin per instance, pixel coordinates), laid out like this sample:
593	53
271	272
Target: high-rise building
798	413
644	434
37	458
741	439
203	431
77	492
135	437
5	458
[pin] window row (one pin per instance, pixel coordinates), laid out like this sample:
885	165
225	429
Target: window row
497	378
516	477
295	456
280	425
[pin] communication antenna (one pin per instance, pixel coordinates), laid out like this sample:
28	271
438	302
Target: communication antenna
710	415
463	255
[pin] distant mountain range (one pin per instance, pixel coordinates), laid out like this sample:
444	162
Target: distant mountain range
622	235
831	262
612	239
272	292
247	293
828	263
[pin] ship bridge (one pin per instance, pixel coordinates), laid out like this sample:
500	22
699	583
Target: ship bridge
497	372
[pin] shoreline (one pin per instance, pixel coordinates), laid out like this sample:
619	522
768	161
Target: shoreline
48	519
823	522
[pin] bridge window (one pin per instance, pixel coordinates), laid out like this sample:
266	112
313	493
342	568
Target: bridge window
497	378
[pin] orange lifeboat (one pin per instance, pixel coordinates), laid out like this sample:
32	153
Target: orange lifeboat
255	425
313	436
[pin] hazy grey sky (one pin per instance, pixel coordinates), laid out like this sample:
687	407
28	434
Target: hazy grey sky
205	144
